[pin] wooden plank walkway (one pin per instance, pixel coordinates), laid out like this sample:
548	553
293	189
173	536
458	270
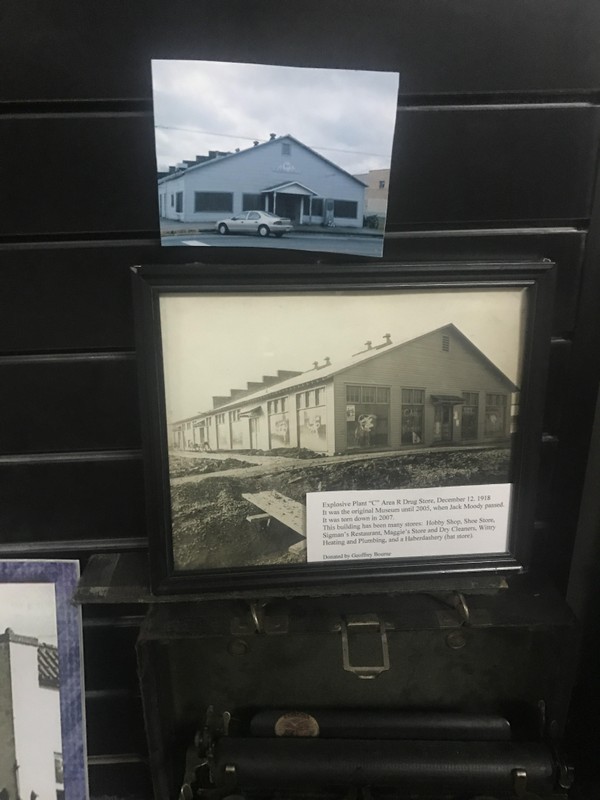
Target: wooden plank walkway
287	511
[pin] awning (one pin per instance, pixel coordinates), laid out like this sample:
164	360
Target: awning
289	187
446	398
252	413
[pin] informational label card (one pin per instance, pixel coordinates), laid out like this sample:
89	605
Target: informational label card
407	523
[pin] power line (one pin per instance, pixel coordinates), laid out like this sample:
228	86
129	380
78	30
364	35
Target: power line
255	139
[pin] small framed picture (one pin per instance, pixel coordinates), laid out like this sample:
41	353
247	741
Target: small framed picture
42	727
331	423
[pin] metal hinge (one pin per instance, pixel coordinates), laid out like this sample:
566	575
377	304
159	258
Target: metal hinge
258	620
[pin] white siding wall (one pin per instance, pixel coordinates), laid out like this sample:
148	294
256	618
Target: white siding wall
255	169
166	191
7	734
37	724
423	365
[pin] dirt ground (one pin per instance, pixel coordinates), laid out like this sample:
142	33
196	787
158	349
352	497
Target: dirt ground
209	514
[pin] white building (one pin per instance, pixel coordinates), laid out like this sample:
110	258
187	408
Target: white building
282	175
31	761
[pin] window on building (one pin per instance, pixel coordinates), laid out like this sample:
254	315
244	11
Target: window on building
172	200
317	206
284	403
310	399
367	394
495	414
213	201
345	208
413	406
383	394
367	416
470	415
234	415
446	343
179	202
382	184
286	149
59	772
220	419
353	394
253	201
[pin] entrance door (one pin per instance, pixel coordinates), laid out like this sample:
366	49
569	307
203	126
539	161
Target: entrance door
254	433
442	422
289	205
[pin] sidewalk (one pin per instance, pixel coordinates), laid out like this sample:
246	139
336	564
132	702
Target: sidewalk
173	227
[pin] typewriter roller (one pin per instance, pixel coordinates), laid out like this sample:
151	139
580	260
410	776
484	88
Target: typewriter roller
369	754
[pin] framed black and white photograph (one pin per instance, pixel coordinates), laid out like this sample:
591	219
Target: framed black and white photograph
42	727
262	155
335	423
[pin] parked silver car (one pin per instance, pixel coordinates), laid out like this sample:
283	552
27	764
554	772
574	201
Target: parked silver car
261	222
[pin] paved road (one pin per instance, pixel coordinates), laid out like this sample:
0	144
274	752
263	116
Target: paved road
320	242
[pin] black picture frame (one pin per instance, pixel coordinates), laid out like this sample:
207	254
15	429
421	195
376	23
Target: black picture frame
532	280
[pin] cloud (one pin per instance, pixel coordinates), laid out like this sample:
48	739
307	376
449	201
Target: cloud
207	105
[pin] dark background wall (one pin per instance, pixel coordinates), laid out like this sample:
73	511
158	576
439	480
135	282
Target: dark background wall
495	156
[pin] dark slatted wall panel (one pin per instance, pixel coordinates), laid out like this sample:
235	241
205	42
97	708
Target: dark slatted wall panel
495	156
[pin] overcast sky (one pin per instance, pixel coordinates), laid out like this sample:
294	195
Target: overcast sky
348	116
214	343
29	609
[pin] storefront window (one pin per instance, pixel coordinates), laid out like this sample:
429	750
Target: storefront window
413	402
495	414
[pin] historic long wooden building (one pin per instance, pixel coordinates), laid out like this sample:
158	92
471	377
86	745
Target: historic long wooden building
438	388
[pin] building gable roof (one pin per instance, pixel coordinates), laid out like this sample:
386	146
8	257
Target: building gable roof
281	187
287	137
321	374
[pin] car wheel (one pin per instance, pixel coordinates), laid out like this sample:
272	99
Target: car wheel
263	230
223	229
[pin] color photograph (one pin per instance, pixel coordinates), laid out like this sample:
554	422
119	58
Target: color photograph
257	155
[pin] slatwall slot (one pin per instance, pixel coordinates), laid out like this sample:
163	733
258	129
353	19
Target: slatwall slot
101	175
77	501
118	779
477	164
114	724
109	657
439	48
83	296
449	165
90	402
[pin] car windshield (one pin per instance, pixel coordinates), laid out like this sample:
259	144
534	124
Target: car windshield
268	214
